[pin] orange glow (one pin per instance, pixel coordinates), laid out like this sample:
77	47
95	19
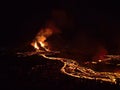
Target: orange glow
72	67
40	39
34	44
100	54
42	44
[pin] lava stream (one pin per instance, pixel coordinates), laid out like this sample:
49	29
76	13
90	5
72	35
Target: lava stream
70	67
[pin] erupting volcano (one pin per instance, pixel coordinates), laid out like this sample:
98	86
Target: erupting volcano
72	67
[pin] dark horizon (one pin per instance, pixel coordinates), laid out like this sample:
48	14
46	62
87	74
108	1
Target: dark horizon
98	20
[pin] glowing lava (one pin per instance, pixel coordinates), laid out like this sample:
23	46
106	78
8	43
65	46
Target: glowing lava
71	67
40	40
35	45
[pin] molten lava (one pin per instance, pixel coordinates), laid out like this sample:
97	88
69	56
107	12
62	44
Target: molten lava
71	67
35	45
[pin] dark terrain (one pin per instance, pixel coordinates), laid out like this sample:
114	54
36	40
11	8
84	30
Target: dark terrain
35	72
84	25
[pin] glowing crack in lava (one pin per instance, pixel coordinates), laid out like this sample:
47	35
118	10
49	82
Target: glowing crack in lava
71	67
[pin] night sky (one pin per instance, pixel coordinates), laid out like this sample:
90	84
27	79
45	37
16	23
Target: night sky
97	20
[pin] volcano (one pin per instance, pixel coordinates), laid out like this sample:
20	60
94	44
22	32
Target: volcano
61	45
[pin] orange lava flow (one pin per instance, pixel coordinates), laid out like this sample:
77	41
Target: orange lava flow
71	67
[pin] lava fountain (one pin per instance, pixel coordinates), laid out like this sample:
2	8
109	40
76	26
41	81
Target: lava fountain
71	67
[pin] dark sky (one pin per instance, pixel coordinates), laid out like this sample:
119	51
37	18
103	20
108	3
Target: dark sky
20	21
